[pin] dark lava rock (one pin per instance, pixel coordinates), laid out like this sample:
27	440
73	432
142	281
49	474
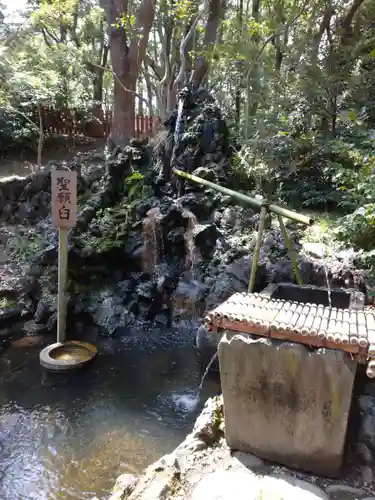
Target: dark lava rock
8	316
33	328
145	291
235	278
197	203
204	144
204	237
43	312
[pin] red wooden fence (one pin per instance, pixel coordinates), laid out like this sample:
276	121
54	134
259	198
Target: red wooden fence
73	122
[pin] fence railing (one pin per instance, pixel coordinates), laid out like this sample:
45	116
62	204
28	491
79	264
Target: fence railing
74	122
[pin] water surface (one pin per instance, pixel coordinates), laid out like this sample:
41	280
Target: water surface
68	437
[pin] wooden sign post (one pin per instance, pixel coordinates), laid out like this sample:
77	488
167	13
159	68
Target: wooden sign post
64	216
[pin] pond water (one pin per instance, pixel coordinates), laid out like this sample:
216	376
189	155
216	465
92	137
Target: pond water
68	437
9	167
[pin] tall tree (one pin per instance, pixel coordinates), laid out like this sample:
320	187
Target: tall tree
128	39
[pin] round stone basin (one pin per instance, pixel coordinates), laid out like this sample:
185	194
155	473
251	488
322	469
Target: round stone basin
67	356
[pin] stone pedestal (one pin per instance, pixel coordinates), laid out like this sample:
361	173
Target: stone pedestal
286	403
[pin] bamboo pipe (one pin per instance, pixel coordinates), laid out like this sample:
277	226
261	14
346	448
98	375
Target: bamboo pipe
301	320
339	337
317	321
283	212
322	333
332	325
306	329
370	371
370	323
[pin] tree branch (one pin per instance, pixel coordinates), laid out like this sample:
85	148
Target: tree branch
139	96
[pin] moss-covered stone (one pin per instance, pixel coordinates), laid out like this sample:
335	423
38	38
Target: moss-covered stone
6	303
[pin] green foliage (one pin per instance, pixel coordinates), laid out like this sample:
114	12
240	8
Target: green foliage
113	225
16	131
358	228
23	247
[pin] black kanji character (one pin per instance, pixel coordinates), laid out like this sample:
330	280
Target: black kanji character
63	197
63	183
64	213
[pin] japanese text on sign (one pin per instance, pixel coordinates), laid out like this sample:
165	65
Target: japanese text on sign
64	198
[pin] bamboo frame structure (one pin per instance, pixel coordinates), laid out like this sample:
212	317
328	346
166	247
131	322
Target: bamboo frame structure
352	331
265	208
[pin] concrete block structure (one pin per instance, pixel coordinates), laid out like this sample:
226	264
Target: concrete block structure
285	402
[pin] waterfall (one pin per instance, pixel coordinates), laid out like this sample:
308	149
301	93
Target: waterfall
153	251
192	253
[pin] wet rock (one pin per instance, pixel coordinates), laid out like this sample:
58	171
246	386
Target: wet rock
367	431
225	485
107	310
172	215
367	474
204	237
33	328
9	316
47	256
160	481
197	203
229	217
146	291
364	453
249	461
43	312
282	271
175	242
189	296
366	404
25	198
52	322
209	425
11	189
235	278
124	487
206	173
343	492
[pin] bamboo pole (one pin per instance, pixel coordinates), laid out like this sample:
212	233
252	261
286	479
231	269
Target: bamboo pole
292	253
283	212
254	264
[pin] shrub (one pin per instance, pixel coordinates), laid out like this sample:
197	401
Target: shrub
16	131
358	228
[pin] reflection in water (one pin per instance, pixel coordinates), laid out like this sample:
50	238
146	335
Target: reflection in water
68	437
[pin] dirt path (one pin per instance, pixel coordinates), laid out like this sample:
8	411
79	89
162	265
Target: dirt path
57	149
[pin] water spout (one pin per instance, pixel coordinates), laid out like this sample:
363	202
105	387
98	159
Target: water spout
208	369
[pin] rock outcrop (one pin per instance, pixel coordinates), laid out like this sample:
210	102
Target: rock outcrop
204	468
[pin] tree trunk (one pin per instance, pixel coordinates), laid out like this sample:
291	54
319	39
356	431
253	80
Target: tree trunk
253	79
239	82
202	63
127	57
98	79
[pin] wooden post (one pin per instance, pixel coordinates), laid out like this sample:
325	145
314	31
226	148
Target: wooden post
62	282
64	216
292	253
254	266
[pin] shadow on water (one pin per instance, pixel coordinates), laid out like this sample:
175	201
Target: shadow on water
68	437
